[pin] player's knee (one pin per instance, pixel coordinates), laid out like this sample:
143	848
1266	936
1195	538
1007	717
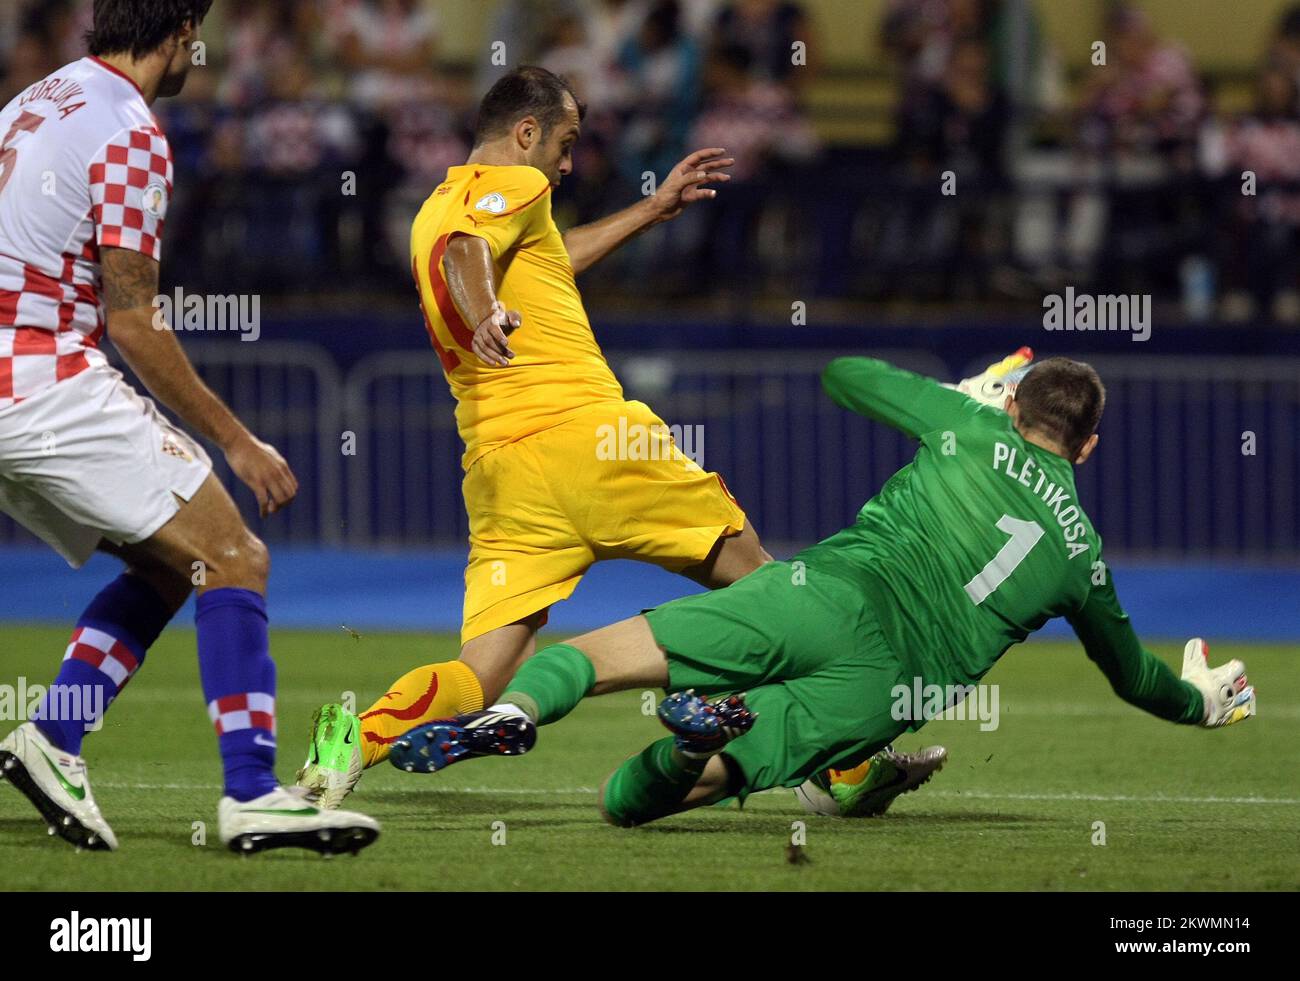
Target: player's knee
610	810
752	547
242	562
256	560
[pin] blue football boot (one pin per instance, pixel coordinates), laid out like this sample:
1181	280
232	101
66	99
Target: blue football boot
438	744
702	727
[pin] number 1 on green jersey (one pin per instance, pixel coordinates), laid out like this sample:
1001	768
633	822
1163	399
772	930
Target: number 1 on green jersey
1024	536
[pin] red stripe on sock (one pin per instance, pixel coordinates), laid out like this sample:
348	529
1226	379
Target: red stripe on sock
413	711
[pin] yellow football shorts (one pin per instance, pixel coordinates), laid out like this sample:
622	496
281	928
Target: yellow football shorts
609	483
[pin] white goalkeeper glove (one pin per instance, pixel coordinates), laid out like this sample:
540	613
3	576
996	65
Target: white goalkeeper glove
1228	698
998	380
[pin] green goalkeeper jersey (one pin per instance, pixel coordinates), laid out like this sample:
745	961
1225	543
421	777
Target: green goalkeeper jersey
978	542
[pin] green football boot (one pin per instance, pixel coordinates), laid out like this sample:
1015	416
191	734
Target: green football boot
334	765
871	787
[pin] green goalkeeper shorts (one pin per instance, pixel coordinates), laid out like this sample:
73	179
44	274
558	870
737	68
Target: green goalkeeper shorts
807	648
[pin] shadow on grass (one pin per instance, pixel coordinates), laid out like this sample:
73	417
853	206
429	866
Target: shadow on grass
469	803
26	829
900	821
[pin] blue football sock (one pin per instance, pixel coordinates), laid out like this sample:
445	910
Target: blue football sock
238	678
107	647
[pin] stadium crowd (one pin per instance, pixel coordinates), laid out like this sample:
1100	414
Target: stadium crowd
322	125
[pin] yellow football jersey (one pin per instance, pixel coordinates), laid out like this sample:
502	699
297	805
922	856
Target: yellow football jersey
558	367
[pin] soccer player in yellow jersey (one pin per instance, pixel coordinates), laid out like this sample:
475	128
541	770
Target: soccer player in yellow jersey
534	395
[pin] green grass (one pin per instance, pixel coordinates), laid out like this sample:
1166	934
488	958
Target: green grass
1183	808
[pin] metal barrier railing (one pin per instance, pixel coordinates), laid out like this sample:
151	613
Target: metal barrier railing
1199	456
289	395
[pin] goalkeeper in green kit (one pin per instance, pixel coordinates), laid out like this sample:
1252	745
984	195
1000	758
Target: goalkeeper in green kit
967	550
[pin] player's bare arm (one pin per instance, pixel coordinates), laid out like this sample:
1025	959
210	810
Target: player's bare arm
685	184
471	279
154	354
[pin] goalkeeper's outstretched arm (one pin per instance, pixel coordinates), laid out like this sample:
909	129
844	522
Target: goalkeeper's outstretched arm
1203	696
908	402
915	404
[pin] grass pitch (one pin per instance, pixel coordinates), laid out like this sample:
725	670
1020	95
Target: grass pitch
1025	806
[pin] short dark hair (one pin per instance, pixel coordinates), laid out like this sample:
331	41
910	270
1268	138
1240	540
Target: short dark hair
138	27
1063	400
526	91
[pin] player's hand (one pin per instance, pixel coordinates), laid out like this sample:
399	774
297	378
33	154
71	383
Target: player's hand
260	466
998	380
1228	698
685	183
491	339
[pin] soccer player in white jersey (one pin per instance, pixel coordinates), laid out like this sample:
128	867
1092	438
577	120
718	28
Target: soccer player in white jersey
86	463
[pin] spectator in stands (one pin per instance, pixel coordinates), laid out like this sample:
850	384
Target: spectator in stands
568	52
1284	51
956	127
261	35
921	34
1147	96
1258	235
296	147
585	51
758	122
926	35
520	33
663	67
10	17
45	29
293	131
611	24
768	30
959	123
389	48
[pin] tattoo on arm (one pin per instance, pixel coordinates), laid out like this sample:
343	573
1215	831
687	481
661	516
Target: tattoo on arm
130	279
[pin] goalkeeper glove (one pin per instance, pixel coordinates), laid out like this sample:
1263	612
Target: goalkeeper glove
998	380
1228	698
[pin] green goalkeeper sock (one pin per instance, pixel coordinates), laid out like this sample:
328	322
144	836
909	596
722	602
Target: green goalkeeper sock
651	785
551	683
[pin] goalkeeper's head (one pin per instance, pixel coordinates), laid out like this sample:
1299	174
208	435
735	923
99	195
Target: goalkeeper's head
1057	405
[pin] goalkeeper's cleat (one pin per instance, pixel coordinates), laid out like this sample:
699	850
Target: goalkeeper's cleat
334	763
56	784
1228	697
284	818
870	788
702	727
437	745
998	380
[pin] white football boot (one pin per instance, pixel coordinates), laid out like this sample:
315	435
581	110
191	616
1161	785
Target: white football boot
285	818
56	783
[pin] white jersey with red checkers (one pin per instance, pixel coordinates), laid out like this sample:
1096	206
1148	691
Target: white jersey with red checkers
83	165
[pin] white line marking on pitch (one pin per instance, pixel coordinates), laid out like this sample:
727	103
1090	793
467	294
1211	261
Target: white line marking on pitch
951	794
979	795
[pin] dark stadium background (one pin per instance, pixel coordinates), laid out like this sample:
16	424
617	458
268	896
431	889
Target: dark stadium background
834	238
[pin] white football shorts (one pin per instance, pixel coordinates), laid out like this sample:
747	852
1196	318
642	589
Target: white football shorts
91	458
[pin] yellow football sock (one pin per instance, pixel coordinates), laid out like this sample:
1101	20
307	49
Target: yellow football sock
854	776
435	691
